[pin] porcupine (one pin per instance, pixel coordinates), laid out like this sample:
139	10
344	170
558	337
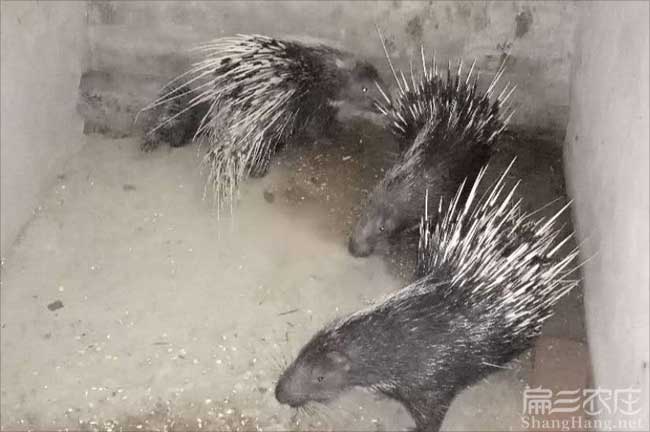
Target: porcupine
487	279
258	92
176	125
446	128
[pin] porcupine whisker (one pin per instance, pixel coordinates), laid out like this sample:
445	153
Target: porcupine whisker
323	408
343	414
277	366
304	412
281	359
296	416
312	412
307	414
275	362
315	414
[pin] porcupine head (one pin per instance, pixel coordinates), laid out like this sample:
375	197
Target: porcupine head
339	357
431	165
353	351
358	91
320	373
380	349
394	203
344	75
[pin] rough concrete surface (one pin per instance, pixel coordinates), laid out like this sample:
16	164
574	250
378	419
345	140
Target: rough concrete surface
127	304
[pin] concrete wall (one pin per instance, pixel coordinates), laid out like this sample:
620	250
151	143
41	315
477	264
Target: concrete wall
42	48
135	45
607	173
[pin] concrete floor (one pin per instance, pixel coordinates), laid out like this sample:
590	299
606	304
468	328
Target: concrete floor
127	304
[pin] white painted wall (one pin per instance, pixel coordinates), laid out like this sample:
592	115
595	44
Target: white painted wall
42	49
607	173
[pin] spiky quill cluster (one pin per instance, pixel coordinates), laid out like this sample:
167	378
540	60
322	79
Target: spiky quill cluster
446	128
457	110
258	90
497	259
443	120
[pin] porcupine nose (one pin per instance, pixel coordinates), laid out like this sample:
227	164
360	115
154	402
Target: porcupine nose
281	393
359	249
285	396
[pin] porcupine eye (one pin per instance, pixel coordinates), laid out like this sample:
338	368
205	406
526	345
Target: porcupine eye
382	228
364	89
320	378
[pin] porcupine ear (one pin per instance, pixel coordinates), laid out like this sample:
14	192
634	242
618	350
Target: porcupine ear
340	360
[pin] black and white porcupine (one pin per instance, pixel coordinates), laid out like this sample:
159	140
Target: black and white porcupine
488	277
255	93
446	128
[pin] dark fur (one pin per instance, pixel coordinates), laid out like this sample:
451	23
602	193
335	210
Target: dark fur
420	350
443	143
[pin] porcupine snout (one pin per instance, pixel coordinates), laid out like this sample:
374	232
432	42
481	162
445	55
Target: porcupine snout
360	248
287	390
381	218
283	395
